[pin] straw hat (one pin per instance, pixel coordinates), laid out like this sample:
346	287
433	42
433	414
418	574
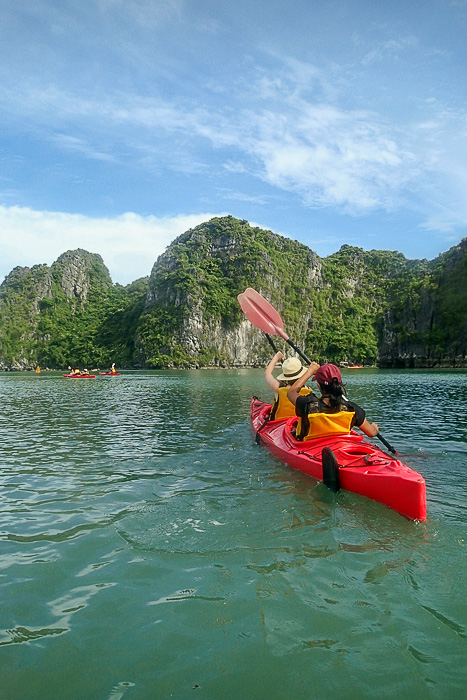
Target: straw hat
292	369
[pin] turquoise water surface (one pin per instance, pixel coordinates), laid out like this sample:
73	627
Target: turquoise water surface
149	549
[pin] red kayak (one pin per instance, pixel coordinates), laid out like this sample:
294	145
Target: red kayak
348	460
79	376
109	374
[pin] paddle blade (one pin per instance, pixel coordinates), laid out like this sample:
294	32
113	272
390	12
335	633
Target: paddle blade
265	307
330	470
260	313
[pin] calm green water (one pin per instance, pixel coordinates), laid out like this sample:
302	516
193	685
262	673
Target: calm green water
149	549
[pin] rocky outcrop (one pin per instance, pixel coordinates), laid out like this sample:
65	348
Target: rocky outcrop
74	272
405	332
38	304
191	305
428	328
20	312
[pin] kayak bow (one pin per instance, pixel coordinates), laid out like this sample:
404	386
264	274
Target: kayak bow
360	466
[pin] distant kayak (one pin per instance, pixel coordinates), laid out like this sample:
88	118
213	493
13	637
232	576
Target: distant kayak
346	460
80	376
109	374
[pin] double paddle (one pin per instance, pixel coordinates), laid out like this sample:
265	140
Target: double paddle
265	317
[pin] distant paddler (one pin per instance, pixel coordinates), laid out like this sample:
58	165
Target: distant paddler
38	369
112	372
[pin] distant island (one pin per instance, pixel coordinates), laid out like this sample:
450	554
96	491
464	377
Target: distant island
354	307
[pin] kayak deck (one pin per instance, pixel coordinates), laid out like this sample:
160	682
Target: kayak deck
363	468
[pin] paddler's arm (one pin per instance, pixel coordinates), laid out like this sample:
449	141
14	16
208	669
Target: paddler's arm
294	390
271	380
370	429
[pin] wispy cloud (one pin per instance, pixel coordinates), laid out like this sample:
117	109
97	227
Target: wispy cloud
80	146
237	196
285	122
390	49
327	155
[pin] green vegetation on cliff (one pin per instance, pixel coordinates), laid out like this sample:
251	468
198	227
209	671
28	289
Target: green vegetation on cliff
432	312
361	306
332	305
69	314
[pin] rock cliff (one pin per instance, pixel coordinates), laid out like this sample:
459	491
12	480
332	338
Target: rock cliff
428	327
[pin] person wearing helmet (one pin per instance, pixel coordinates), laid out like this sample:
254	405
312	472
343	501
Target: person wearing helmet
292	369
333	413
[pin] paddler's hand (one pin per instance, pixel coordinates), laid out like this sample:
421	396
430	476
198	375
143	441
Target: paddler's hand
312	369
370	429
268	372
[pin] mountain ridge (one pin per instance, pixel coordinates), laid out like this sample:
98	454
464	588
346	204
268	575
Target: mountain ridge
372	307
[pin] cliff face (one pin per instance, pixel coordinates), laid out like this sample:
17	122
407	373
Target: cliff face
361	306
405	330
47	315
77	271
192	316
428	326
374	307
21	295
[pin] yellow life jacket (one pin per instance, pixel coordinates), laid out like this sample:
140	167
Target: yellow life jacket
283	408
324	424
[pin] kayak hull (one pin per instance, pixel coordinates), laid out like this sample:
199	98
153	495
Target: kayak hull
109	374
79	376
362	467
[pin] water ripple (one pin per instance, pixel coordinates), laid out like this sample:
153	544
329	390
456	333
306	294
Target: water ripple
197	560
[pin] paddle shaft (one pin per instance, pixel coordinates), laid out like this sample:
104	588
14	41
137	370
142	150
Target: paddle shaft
302	354
290	342
271	342
387	444
273	345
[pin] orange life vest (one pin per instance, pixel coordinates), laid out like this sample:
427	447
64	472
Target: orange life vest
282	407
324	424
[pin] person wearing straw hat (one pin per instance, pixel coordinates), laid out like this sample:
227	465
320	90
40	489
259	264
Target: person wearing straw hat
292	369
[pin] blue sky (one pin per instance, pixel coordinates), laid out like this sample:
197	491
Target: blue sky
125	122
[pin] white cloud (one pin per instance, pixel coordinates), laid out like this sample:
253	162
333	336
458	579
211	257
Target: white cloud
330	156
129	244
